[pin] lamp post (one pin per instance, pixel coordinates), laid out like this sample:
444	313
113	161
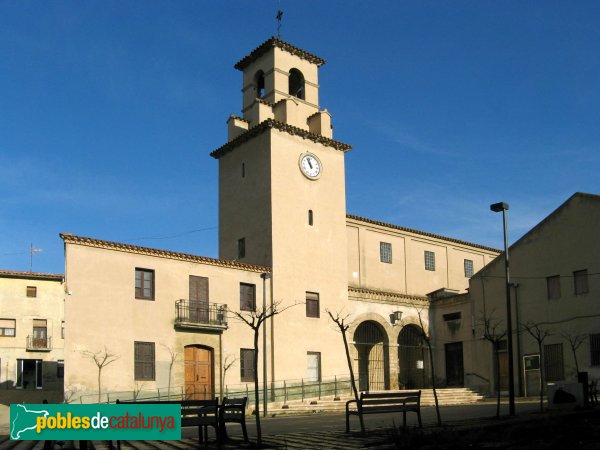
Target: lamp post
265	276
497	207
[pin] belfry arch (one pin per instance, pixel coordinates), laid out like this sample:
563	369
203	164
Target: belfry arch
371	343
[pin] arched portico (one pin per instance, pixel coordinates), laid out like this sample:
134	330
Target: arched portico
371	342
413	358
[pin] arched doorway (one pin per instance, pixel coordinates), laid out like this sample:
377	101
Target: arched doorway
413	359
199	373
373	358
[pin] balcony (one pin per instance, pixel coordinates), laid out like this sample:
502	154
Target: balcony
200	316
39	344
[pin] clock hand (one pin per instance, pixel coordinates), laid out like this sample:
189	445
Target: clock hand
308	160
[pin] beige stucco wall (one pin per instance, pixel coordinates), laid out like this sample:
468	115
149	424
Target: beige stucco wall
47	305
551	248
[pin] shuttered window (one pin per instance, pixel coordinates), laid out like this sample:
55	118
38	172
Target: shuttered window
314	366
553	286
247	297
553	362
144	284
8	327
144	361
595	349
580	279
312	304
246	364
31	291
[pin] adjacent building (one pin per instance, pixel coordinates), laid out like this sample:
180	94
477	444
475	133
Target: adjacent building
32	336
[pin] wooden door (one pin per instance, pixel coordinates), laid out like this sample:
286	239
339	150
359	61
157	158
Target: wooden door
198	299
198	373
503	363
454	364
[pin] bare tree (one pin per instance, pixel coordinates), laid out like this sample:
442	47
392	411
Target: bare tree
172	358
575	341
227	364
70	392
137	388
426	337
494	336
101	358
343	325
539	333
255	319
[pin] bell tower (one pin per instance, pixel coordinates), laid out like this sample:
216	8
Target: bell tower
282	201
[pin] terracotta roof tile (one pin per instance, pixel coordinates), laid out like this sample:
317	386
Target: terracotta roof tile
31	275
290	129
276	42
422	233
91	242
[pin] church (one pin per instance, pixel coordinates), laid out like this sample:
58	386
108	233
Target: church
173	321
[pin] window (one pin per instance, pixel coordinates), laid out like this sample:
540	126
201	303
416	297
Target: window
246	364
60	368
553	284
553	362
247	297
243	170
40	334
385	252
468	268
8	327
452	316
144	284
310	217
314	366
312	304
31	291
595	349
144	361
580	278
429	260
241	248
62	329
296	84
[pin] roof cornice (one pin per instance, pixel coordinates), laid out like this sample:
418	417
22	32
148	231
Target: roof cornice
285	46
31	275
117	246
387	296
422	233
286	128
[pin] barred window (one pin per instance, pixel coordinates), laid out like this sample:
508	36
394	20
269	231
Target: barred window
468	268
429	260
144	361
312	304
246	364
595	349
553	362
247	297
385	252
553	285
580	279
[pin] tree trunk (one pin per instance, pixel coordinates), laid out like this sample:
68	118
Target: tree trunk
541	377
349	360
437	405
256	397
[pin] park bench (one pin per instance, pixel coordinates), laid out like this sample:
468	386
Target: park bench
384	402
233	410
200	413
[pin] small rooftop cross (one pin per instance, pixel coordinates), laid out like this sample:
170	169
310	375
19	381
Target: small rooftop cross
279	17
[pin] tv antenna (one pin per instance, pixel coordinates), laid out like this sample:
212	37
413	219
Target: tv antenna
33	250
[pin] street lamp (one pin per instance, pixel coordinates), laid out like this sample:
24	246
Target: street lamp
265	276
497	207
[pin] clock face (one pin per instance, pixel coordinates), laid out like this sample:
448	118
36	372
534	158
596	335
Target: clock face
310	166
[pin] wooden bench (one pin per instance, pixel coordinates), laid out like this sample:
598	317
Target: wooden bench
200	413
233	410
384	402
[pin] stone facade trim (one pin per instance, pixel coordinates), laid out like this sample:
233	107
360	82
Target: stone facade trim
394	298
31	275
285	46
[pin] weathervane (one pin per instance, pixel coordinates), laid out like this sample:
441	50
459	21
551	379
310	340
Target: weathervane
279	17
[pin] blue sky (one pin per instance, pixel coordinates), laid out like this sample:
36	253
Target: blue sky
109	110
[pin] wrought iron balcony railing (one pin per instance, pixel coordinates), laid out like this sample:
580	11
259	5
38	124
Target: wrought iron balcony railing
40	344
192	314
